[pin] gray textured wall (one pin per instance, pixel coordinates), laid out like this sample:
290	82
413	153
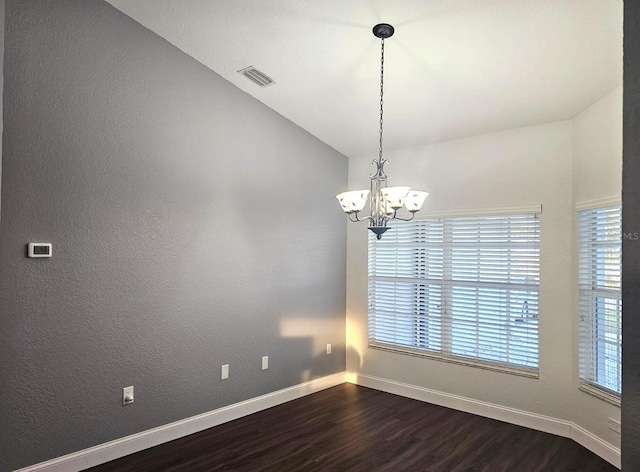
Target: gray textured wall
191	227
631	248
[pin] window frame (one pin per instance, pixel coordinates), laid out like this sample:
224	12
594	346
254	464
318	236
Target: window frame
446	285
588	305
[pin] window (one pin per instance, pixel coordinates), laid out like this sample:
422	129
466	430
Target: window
600	301
458	289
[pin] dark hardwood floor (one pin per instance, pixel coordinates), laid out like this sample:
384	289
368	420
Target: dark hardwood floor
357	429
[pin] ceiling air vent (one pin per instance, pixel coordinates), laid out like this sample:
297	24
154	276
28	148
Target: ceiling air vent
257	77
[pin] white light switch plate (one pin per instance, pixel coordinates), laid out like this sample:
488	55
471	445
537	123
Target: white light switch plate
224	372
265	362
127	395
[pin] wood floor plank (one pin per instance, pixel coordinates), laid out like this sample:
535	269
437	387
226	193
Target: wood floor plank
356	429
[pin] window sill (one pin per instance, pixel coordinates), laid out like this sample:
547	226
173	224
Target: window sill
600	394
532	374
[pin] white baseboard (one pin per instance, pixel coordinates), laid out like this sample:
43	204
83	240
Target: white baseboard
596	445
112	450
527	419
137	442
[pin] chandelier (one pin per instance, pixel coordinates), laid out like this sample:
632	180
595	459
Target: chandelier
384	202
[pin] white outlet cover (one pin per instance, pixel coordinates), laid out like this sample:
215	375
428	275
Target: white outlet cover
614	425
39	250
265	362
224	373
328	348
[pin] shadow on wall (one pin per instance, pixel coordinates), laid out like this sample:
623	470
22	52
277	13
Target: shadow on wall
353	360
322	365
316	334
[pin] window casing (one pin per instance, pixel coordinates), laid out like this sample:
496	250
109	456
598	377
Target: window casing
458	289
600	301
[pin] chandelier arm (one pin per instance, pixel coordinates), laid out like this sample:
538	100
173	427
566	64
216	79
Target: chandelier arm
413	213
357	219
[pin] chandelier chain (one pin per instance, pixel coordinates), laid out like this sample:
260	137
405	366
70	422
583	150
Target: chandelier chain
381	95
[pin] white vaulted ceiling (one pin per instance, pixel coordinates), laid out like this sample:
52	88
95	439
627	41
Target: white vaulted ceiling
454	68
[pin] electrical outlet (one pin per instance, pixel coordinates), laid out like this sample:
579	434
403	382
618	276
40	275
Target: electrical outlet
265	362
225	372
127	395
614	425
329	348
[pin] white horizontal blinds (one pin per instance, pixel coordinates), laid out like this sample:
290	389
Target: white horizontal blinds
405	270
495	277
458	287
600	299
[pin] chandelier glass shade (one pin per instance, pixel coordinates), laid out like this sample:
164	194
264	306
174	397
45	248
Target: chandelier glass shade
384	202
